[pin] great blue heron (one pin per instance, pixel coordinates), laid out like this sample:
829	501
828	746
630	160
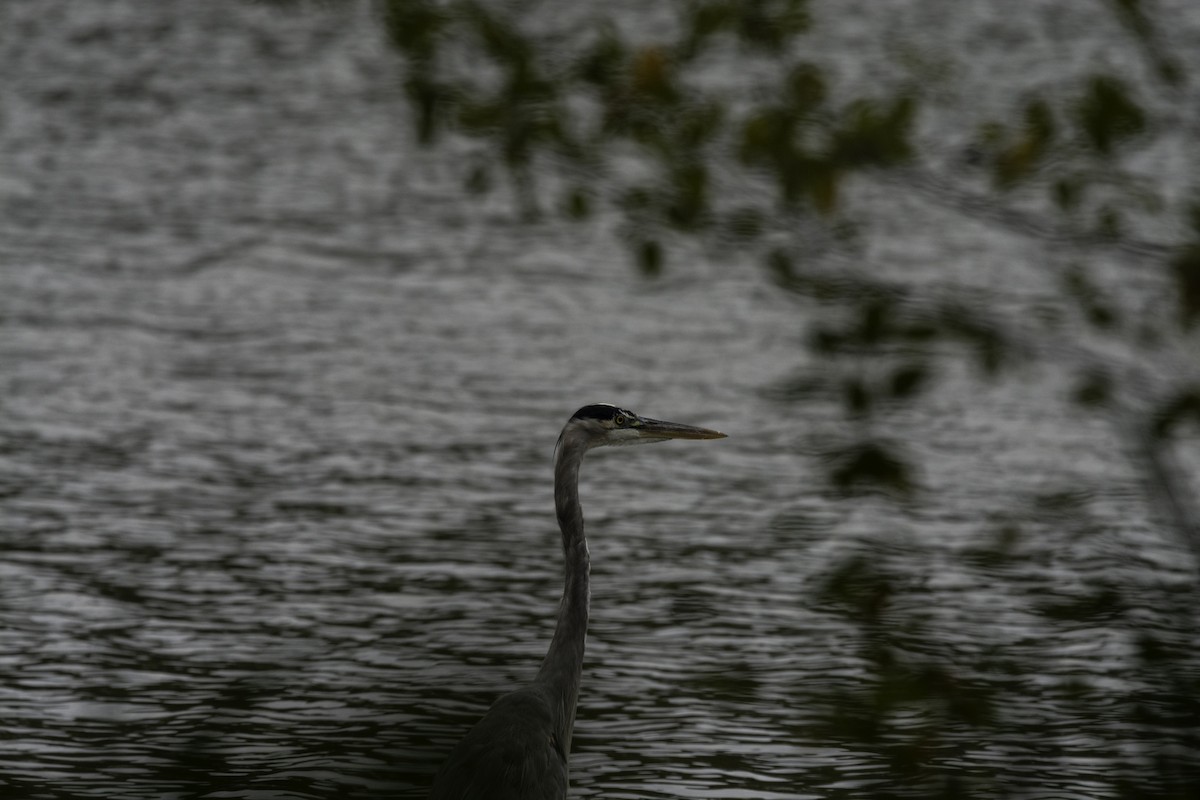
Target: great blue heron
519	750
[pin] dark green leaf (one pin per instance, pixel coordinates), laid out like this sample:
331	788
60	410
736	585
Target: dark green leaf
906	381
1067	193
1094	388
1185	404
577	204
805	88
414	26
857	397
1185	267
871	466
1108	114
745	223
650	258
479	179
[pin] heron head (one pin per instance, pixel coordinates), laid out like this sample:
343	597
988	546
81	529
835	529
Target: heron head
605	424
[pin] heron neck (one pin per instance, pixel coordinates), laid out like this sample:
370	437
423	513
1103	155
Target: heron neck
563	665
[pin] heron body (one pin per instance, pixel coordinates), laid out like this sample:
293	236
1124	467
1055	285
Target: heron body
520	749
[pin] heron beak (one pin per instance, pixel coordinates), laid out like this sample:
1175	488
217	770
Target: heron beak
658	429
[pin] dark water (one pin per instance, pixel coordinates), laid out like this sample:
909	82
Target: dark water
277	407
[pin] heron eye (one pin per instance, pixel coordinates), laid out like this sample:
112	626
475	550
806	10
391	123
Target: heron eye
619	420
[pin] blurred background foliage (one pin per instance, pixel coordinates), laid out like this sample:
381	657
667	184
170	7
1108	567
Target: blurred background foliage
712	129
647	127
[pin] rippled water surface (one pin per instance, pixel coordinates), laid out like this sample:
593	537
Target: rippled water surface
278	406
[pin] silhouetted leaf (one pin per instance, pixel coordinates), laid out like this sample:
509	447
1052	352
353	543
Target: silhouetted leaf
769	24
577	204
429	99
1021	157
805	88
1096	308
1067	193
825	340
779	264
413	26
1094	388
650	76
1039	122
688	195
637	200
704	19
857	396
1108	223
875	322
1015	163
874	136
870	466
906	381
1107	114
1133	15
745	223
1193	216
499	36
650	258
478	180
823	187
696	124
991	347
602	63
1184	405
1186	269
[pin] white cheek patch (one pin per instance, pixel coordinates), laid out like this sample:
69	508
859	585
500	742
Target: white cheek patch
620	436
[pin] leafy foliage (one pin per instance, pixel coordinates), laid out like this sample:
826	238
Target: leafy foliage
768	162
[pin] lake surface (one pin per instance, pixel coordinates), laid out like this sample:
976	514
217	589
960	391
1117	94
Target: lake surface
277	408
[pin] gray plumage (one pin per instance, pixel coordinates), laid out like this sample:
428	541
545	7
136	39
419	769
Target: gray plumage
521	747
